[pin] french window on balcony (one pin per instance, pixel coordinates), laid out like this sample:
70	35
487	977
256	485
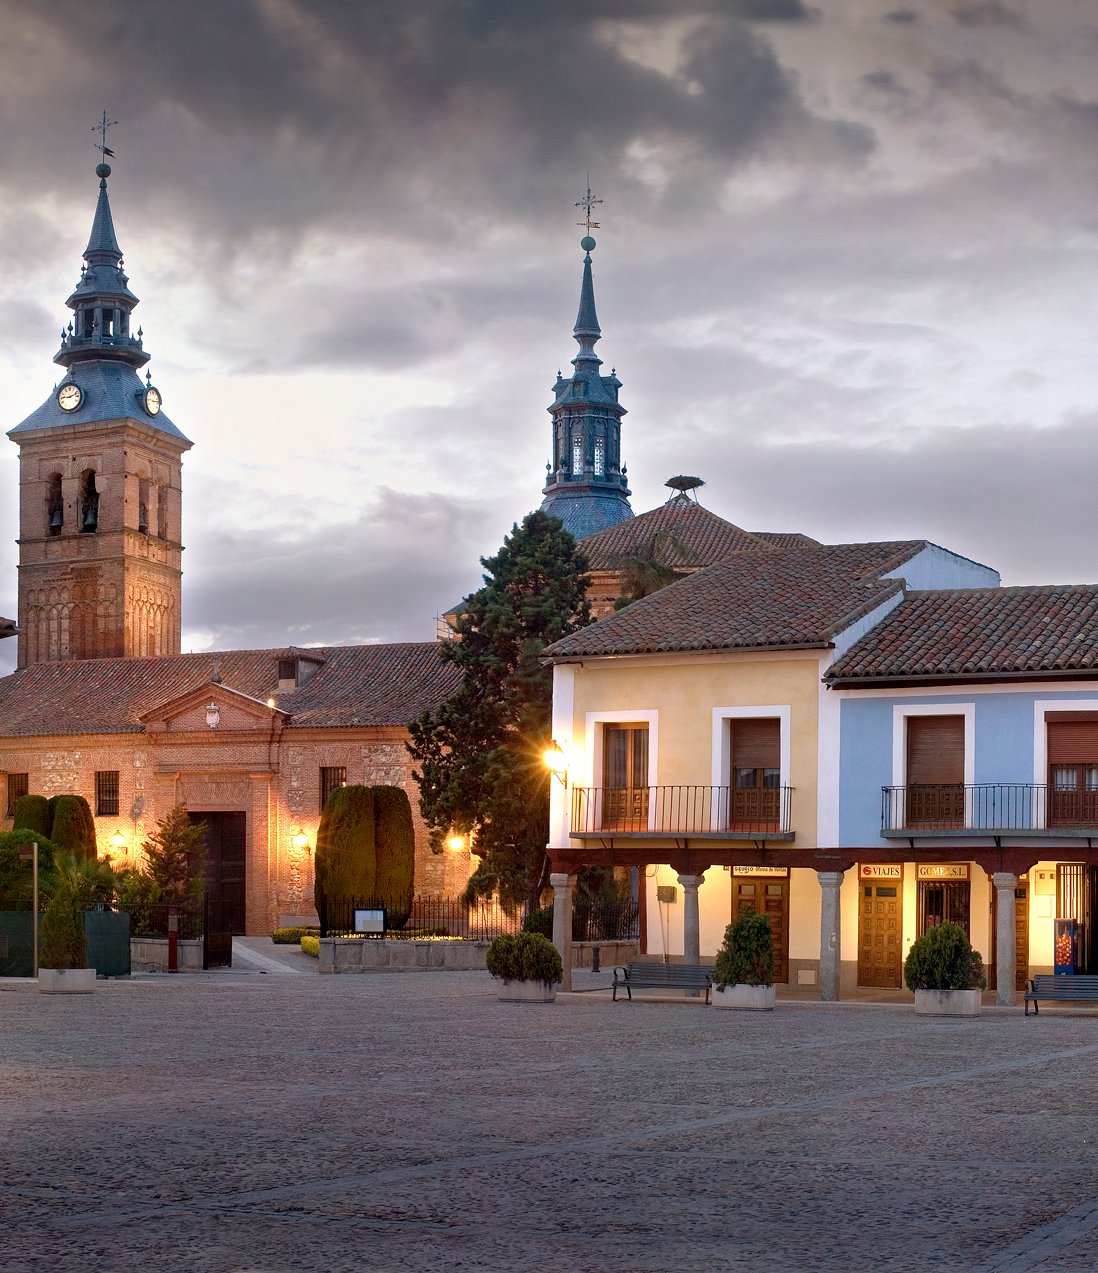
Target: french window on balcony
935	772
625	777
1072	769
756	774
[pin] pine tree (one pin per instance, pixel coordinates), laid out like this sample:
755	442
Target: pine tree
175	854
480	754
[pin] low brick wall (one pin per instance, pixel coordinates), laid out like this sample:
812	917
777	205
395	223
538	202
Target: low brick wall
355	954
612	954
150	954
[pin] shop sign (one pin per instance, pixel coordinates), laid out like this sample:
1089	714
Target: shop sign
943	871
883	871
783	871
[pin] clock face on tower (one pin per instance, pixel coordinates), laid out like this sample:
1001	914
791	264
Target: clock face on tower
152	400
69	396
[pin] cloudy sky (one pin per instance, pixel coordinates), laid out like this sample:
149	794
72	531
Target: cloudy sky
847	272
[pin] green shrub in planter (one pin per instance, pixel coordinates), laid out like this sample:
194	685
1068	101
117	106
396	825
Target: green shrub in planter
943	959
63	943
524	957
540	921
310	945
746	957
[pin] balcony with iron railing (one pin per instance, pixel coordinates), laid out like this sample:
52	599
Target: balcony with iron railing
756	813
988	808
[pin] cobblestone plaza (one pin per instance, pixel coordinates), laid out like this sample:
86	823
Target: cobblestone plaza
242	1121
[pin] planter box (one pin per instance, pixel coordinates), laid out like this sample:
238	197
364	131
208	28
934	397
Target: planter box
66	981
948	1003
150	954
746	998
527	991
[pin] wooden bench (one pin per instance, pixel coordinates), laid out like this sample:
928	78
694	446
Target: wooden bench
1080	988
662	977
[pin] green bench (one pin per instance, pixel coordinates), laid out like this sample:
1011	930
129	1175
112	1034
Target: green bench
1080	988
662	977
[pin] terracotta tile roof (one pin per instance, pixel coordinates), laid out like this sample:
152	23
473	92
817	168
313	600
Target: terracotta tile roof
784	539
706	537
357	685
751	600
979	632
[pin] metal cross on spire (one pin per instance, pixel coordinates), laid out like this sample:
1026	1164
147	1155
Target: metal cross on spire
587	203
101	129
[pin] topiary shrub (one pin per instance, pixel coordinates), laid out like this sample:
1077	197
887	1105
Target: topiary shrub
746	956
943	959
524	957
63	942
540	921
73	827
395	849
310	946
345	861
287	936
32	813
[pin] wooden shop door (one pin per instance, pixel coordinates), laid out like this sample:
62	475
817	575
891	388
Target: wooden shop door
880	935
769	895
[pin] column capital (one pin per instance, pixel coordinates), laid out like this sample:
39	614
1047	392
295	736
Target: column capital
691	881
562	880
830	879
1005	879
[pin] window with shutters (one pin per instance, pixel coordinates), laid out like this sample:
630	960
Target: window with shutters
756	775
935	771
625	777
1072	768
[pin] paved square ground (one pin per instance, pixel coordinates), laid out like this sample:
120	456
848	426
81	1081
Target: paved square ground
242	1121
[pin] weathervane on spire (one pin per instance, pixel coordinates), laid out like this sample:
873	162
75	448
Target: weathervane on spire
587	203
101	129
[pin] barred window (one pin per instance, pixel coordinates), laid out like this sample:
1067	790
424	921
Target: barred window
18	786
106	793
331	777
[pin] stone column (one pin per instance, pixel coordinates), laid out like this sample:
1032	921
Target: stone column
691	926
564	886
1005	921
830	943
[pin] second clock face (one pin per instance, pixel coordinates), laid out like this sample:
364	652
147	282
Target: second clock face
152	400
69	397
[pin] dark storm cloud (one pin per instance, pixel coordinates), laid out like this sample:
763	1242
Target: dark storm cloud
901	16
984	13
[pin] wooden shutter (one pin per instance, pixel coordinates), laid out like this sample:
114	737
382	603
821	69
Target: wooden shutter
1072	738
757	743
935	750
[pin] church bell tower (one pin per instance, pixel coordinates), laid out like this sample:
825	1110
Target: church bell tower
99	483
586	480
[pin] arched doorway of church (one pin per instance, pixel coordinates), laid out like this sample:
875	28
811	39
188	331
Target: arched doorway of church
226	866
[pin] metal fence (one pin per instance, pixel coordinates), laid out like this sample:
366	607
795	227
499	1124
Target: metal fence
988	806
605	919
681	810
431	916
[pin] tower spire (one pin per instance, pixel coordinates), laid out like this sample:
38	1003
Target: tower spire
585	484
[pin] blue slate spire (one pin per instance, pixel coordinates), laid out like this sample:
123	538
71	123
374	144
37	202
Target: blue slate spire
99	347
586	483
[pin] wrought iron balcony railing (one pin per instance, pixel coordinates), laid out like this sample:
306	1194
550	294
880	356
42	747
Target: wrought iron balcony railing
684	810
989	806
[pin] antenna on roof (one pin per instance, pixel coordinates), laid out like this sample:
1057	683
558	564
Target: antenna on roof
684	485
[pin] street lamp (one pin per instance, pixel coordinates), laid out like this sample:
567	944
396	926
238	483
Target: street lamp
556	762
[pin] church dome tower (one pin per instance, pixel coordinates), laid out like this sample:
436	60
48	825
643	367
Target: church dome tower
586	482
99	483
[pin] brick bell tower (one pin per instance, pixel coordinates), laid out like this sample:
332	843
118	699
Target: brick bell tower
99	483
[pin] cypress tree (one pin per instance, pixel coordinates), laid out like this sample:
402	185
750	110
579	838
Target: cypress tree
345	861
73	827
395	841
480	754
32	813
63	942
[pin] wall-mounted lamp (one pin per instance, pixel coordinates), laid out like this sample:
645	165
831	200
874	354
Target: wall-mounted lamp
556	762
455	843
300	840
118	842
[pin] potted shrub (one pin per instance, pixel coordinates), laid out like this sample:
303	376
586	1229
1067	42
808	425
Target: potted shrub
528	965
63	962
946	974
744	973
